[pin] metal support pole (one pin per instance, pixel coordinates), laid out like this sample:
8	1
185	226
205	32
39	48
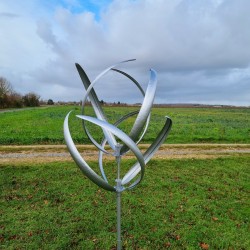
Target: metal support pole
119	189
118	207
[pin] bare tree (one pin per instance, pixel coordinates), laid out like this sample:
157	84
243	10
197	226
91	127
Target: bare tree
5	91
5	86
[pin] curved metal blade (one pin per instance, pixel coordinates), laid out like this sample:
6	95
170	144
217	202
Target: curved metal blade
92	94
124	151
99	76
100	147
149	153
100	157
97	109
80	161
105	141
110	138
121	135
131	78
145	109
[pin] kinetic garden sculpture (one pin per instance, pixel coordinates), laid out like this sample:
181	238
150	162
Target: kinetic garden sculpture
112	134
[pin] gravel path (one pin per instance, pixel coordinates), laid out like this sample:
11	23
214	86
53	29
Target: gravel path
51	153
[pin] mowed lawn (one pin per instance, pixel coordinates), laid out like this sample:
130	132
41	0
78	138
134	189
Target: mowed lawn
190	125
181	204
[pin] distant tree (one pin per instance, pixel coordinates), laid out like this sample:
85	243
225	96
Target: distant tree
15	100
50	102
31	100
5	92
11	99
5	86
119	103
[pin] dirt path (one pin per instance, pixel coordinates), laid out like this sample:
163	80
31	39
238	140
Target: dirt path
52	153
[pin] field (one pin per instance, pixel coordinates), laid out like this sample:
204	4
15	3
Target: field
183	203
196	125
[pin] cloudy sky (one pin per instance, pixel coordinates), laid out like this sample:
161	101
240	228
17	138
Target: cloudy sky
199	48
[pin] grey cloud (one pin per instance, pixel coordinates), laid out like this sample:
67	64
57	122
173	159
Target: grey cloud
45	33
8	15
232	88
200	50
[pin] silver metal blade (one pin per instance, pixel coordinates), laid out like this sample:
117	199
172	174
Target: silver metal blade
80	161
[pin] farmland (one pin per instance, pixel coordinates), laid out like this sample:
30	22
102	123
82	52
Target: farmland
194	195
190	125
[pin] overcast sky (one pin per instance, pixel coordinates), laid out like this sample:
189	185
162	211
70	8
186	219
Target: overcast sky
199	48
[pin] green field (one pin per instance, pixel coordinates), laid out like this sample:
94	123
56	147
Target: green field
185	204
181	203
190	125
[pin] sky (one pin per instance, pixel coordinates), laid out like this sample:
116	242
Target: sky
200	49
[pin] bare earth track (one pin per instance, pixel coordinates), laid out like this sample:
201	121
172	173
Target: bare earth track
51	153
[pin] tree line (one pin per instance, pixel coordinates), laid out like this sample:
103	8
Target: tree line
11	99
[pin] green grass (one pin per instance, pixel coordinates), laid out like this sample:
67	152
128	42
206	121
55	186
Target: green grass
190	125
180	203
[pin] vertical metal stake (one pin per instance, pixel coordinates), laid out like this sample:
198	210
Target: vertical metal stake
118	207
118	195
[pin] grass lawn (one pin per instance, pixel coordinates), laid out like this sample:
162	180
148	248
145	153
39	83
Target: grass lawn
181	204
190	125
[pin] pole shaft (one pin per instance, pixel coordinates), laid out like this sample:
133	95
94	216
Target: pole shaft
118	196
118	206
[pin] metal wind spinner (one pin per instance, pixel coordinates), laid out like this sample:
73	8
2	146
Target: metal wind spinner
129	142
